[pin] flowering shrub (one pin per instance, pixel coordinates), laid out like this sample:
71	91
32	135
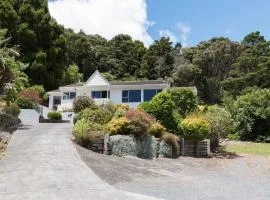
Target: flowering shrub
120	126
122	106
195	127
156	129
140	121
31	94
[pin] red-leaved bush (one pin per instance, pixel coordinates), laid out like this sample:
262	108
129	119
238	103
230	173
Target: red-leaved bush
140	121
31	94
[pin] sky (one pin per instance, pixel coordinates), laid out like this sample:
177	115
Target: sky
185	21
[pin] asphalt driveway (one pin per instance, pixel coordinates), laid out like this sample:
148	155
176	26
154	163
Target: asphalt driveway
41	162
241	177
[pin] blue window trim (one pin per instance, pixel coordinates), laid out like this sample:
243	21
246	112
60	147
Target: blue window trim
131	96
69	95
104	94
153	92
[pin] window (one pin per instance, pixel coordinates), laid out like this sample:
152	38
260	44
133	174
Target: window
69	95
131	96
99	94
150	93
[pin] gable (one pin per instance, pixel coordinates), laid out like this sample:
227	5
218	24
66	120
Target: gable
96	79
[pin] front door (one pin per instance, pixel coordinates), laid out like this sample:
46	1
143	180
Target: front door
56	101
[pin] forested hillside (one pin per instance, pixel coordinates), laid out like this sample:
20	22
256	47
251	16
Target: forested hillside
51	55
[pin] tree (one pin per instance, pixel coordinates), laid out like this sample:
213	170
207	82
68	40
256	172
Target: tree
39	37
158	62
252	67
71	75
211	63
252	114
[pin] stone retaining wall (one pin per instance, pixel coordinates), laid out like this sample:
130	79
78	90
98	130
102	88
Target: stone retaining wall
187	148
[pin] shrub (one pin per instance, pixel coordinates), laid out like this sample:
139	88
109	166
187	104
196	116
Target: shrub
86	133
119	113
42	93
12	109
109	106
82	102
173	141
170	106
221	124
195	127
251	111
54	115
100	115
122	106
233	136
156	129
31	94
120	126
7	120
25	103
140	121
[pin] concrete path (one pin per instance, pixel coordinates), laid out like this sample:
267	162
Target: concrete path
42	163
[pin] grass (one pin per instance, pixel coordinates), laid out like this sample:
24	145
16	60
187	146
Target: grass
250	148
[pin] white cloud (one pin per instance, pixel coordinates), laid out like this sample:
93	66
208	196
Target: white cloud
167	33
105	17
185	32
180	35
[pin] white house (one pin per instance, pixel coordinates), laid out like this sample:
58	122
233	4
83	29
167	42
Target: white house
101	90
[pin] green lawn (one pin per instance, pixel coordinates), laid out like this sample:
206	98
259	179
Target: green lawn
250	148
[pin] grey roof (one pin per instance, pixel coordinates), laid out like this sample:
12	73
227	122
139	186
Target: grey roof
74	85
143	82
54	91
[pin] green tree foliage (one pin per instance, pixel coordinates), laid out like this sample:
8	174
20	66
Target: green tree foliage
158	62
251	111
39	37
208	64
170	106
252	67
221	124
71	75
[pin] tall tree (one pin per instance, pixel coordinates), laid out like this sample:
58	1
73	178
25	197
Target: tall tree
158	62
252	68
39	37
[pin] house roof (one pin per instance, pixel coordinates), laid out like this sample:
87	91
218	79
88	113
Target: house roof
54	91
74	84
97	79
143	82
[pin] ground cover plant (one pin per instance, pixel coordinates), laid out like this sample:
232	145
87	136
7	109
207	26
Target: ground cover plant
249	148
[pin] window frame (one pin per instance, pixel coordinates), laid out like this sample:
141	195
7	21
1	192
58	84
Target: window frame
67	95
156	92
102	94
127	96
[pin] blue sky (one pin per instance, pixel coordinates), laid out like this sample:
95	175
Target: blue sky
208	18
186	21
